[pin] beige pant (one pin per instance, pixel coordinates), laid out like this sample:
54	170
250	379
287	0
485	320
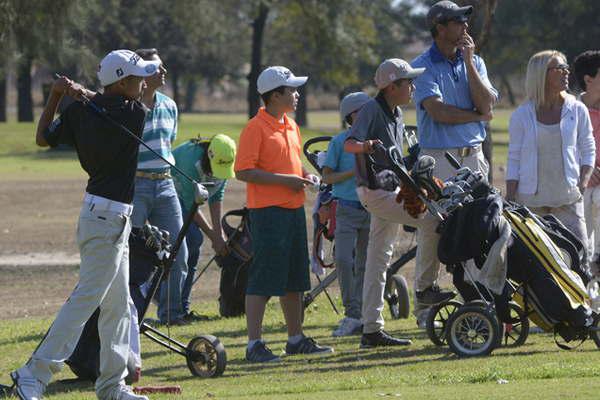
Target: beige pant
386	217
427	264
591	201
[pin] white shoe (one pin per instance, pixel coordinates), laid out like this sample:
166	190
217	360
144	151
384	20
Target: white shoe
123	392
27	386
348	326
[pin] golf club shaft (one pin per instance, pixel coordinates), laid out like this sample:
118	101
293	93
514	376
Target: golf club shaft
104	115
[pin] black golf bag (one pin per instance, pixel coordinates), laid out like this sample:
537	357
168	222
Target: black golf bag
234	266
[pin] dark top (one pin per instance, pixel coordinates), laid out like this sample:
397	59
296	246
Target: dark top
375	121
106	152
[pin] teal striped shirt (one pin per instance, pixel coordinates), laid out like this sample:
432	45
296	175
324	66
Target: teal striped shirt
160	130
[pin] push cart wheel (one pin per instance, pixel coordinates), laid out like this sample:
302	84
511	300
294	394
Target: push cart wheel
472	331
516	333
206	356
437	321
595	330
397	297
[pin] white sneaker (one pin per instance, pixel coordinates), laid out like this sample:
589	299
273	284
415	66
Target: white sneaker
27	386
123	392
348	326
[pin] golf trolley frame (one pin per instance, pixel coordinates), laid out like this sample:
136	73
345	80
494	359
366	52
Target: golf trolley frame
396	292
205	354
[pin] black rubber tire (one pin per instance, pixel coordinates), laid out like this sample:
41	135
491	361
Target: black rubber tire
397	297
473	331
514	335
206	356
440	313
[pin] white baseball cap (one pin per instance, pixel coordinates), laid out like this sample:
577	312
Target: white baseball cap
119	64
274	77
393	69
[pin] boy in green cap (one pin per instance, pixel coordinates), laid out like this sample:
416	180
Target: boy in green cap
205	161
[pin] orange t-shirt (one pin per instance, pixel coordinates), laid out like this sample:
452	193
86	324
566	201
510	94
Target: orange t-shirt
272	146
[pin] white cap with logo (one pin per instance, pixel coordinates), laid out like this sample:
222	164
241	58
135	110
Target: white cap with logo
393	69
119	64
274	77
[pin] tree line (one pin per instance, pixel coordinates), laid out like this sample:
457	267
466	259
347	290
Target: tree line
338	43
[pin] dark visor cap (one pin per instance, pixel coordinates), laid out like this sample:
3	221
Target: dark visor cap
444	11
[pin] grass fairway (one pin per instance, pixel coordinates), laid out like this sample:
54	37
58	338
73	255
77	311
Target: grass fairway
21	159
536	370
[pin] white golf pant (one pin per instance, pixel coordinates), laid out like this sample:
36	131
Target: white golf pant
386	217
102	237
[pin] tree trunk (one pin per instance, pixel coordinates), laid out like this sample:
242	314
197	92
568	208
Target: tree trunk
190	95
508	88
258	28
3	99
301	115
175	80
25	101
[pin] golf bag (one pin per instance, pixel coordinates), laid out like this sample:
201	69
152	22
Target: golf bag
234	266
144	259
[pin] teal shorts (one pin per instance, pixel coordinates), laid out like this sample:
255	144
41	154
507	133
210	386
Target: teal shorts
280	261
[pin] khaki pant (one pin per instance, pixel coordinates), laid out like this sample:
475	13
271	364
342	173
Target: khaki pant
386	217
102	237
427	264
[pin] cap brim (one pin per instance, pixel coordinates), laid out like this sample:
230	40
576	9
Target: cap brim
221	171
413	73
296	81
462	12
145	68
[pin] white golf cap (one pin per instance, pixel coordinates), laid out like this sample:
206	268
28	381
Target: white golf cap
352	102
119	64
274	77
393	69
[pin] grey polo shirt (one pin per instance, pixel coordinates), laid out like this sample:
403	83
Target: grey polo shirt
375	121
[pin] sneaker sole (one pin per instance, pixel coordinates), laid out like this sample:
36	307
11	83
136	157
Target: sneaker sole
15	377
372	346
272	361
319	353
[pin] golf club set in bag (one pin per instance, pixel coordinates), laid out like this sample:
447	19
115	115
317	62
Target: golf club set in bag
509	265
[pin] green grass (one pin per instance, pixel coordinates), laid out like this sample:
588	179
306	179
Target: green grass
21	159
538	369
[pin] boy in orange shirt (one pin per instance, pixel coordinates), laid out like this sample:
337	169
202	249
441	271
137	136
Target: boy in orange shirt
268	160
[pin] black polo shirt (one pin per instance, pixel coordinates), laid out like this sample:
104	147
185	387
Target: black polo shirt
375	120
106	153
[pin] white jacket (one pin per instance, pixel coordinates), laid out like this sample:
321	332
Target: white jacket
578	146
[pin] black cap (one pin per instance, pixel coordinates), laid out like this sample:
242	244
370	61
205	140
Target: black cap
446	10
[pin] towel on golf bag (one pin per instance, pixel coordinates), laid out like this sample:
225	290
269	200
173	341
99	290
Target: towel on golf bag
234	265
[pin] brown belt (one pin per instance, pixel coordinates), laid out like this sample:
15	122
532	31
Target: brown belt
463	152
155	176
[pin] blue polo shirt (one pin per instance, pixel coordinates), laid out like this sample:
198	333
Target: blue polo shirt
339	161
447	80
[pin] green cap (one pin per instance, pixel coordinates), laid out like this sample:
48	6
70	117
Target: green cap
221	153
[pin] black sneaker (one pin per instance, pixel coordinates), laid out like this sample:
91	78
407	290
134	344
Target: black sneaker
381	338
260	353
193	316
306	345
434	295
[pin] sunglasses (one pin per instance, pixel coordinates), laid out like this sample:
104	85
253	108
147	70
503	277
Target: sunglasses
561	67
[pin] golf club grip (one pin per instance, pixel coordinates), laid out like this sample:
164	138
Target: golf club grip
453	161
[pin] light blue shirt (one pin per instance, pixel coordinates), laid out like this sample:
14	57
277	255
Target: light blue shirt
447	80
160	130
339	161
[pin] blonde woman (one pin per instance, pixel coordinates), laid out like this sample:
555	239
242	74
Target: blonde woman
551	150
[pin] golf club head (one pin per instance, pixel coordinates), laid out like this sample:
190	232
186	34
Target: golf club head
200	194
423	168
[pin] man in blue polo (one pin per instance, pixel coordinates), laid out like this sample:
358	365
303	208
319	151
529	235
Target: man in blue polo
155	199
454	100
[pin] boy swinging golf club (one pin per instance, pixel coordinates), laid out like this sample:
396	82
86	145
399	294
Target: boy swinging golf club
110	158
